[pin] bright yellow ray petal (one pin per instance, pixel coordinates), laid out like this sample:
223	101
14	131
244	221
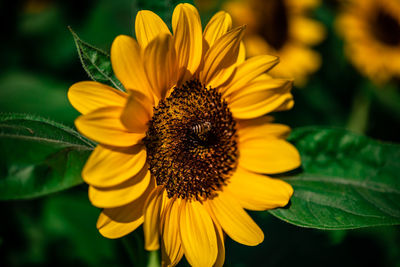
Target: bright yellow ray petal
242	54
270	156
307	31
148	26
161	64
127	63
219	262
218	25
172	250
137	112
234	220
261	97
297	61
165	202
248	71
104	126
88	96
261	127
113	229
220	59
188	37
256	45
258	192
152	211
198	235
173	259
111	166
121	194
242	13
221	246
118	222
302	6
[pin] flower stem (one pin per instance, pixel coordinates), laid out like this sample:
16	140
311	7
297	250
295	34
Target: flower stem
138	256
359	116
154	259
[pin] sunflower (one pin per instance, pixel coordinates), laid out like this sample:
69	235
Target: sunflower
281	28
183	151
371	29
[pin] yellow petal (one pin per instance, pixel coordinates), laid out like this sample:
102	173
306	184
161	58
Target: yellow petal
261	97
118	222
137	112
121	194
219	262
127	63
113	229
172	250
257	45
152	211
235	221
248	71
221	246
111	166
198	235
160	65
104	126
307	31
88	96
242	54
218	25
165	202
242	13
220	59
269	156
258	192
261	127
302	6
188	37
148	26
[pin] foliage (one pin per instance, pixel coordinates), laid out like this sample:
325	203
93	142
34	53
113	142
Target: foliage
346	181
96	63
38	156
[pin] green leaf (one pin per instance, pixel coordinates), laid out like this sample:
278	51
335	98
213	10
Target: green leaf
38	156
348	181
25	92
96	63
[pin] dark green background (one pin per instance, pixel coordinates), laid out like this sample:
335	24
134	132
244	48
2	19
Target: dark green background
39	63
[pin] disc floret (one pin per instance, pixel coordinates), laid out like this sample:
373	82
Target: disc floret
191	142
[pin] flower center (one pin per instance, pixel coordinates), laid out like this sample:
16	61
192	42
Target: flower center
386	28
191	142
274	26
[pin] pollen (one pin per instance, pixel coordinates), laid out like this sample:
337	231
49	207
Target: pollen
191	142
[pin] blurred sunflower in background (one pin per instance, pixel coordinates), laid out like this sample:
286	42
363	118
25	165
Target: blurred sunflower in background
182	151
281	28
371	29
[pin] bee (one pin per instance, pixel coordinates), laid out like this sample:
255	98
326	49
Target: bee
201	128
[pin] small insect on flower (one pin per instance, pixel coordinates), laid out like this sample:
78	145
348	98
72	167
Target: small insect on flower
184	151
202	130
